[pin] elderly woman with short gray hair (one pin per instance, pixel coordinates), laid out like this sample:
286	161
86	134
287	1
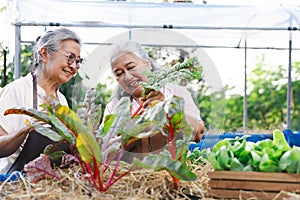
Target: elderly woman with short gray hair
56	61
128	62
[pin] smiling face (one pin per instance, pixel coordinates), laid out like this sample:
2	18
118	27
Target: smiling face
56	68
129	72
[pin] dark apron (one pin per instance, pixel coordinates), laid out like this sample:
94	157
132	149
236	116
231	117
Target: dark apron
35	143
34	146
143	147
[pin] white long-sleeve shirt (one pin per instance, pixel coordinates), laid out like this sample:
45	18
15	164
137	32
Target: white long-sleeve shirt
19	93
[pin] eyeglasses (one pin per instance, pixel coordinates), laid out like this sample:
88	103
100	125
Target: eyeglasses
72	58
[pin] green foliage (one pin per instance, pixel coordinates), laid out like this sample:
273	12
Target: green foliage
234	113
103	95
186	70
266	101
265	156
70	128
73	91
26	59
165	117
163	161
290	161
26	64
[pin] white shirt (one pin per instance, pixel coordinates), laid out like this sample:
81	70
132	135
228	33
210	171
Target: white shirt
19	93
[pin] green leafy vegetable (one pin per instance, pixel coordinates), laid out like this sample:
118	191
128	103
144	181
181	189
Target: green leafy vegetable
157	79
290	161
163	161
70	127
240	155
187	70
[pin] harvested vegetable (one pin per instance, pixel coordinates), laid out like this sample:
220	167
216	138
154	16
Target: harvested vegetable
240	155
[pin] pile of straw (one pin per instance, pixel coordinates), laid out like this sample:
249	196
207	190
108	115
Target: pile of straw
139	184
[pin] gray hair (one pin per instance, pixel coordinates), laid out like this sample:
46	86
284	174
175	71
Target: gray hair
134	48
52	41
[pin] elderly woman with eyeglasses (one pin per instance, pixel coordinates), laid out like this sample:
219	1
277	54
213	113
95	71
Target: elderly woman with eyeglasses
56	61
128	62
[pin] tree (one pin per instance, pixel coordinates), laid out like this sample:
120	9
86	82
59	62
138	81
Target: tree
26	64
267	99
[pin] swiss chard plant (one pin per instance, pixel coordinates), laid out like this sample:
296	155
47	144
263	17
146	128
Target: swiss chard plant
170	120
187	70
94	158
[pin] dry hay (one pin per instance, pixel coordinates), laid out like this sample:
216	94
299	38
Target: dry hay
139	184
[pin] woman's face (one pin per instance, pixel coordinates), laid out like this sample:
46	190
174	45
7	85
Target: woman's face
57	67
129	72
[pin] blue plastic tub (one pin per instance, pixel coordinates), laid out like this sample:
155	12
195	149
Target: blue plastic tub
209	140
11	177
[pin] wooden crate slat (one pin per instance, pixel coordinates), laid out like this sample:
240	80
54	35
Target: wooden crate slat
263	176
254	185
259	185
241	194
244	194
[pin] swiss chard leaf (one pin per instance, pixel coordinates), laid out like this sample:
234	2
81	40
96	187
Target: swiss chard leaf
70	119
157	79
88	148
137	131
56	155
108	121
61	129
39	115
48	132
163	161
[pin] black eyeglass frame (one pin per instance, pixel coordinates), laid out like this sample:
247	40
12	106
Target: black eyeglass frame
72	58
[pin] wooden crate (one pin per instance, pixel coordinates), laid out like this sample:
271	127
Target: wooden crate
254	185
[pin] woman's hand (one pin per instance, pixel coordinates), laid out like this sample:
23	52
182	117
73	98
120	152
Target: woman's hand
9	143
153	96
197	125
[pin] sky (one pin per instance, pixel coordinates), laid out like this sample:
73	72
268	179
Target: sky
230	62
254	2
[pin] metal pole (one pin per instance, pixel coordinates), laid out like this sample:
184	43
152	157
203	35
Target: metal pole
164	26
4	70
17	52
129	34
245	91
289	86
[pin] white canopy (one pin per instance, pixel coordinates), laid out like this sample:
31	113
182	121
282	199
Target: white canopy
235	22
213	26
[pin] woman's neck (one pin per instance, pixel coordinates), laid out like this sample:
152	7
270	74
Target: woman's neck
47	84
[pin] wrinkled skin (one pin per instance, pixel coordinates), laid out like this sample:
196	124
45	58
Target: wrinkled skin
129	71
53	72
